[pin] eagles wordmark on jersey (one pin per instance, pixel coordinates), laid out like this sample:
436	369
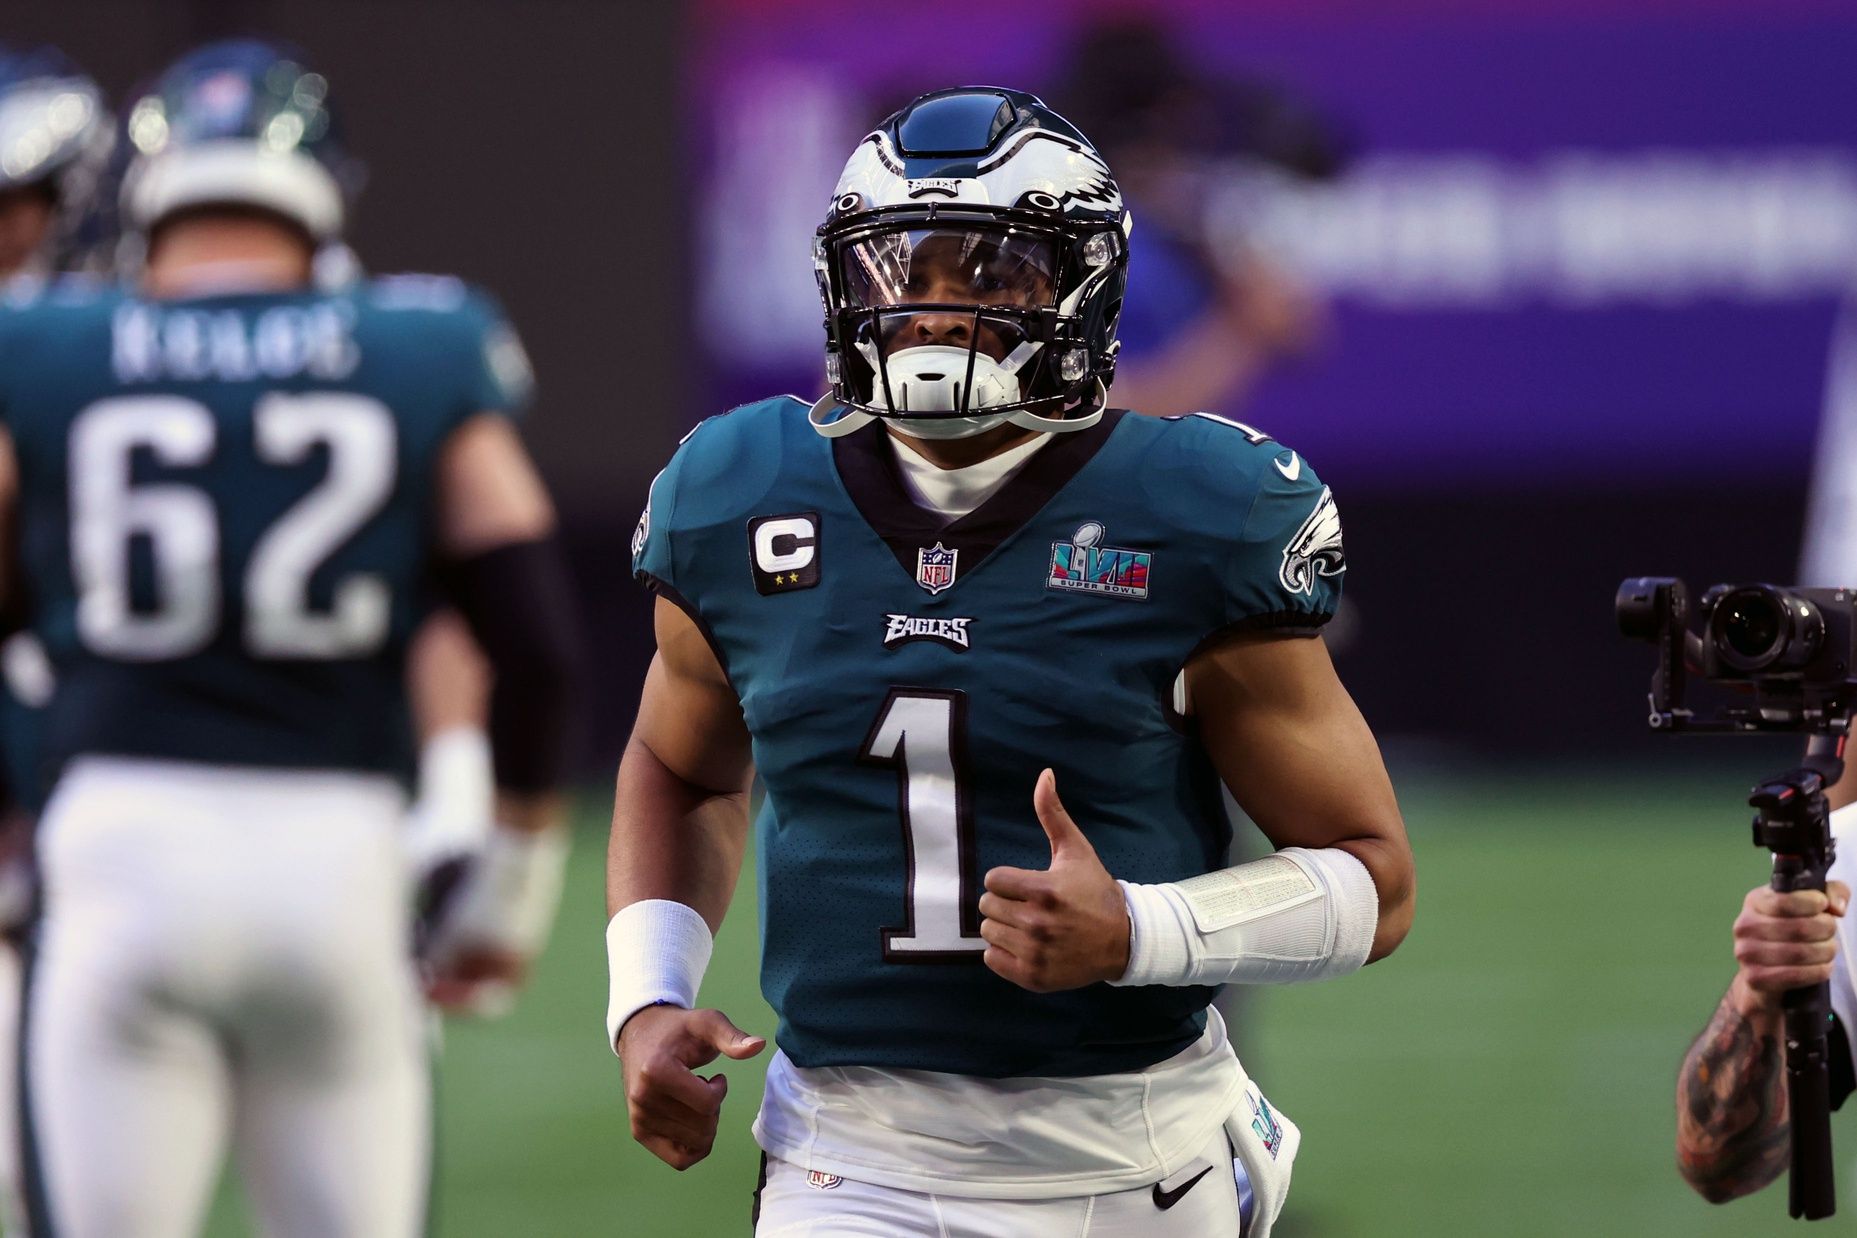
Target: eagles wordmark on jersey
905	680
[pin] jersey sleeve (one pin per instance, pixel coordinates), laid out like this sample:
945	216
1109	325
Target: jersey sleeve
1285	567
653	563
497	377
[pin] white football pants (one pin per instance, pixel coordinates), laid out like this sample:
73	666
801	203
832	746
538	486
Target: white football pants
223	959
1200	1201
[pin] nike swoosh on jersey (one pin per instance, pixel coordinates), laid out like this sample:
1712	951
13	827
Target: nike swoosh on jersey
1292	470
1167	1199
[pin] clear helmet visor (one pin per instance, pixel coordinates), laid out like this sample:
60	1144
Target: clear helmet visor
946	321
950	266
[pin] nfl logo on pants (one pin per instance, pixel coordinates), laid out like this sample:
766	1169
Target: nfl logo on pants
935	567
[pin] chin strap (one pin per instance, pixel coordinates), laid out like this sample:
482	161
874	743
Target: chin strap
850	419
1098	402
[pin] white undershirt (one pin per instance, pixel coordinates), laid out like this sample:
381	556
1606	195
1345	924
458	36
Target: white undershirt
953	493
1019	1138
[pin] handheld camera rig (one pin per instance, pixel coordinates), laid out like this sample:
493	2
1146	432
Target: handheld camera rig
1791	652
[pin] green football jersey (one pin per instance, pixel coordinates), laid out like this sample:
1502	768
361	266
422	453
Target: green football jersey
906	679
226	509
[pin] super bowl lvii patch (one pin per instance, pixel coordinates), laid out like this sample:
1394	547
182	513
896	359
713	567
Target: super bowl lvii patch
1085	565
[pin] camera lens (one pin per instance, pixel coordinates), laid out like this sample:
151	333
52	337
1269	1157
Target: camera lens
1750	625
1760	630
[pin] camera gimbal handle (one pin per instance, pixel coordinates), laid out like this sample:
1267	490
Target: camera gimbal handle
1793	822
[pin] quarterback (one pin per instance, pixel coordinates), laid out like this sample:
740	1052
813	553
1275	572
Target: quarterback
234	495
992	646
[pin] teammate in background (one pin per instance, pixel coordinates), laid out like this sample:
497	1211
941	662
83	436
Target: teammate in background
229	491
55	141
992	648
56	135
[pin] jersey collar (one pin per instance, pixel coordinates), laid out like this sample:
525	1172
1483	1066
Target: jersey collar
867	465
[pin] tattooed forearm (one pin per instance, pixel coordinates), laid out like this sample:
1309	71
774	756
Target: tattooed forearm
1733	1133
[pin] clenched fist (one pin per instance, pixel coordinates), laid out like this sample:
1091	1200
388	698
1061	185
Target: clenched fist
674	1109
1785	941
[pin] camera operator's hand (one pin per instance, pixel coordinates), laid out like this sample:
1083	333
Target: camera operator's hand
1732	1129
1784	941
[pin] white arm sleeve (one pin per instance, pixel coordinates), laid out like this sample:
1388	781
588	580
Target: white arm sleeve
1295	915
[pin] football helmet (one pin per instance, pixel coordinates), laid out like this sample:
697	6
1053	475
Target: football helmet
55	132
972	267
239	122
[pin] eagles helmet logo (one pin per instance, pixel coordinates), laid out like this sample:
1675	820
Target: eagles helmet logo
1314	549
643	531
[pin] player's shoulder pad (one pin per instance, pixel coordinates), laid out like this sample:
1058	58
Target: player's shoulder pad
461	318
34	309
718	468
1215	463
1232	485
410	292
27	294
724	455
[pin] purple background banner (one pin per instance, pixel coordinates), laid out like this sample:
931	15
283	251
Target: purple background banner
1578	247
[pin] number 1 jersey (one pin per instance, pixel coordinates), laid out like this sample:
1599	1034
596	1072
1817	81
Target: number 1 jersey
226	509
905	679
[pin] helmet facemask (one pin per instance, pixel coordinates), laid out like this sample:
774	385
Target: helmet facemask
947	322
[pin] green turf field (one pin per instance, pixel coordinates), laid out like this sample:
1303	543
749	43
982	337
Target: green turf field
1509	1072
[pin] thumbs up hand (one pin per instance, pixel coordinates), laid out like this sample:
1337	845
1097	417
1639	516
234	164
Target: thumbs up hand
1060	928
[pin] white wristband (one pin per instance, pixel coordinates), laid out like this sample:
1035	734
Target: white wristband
1295	915
656	953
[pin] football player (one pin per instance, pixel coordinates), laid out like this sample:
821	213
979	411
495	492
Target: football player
233	494
55	141
992	647
56	135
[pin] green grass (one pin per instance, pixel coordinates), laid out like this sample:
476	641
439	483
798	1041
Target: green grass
1509	1072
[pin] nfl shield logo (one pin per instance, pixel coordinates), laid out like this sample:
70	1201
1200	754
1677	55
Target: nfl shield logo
935	567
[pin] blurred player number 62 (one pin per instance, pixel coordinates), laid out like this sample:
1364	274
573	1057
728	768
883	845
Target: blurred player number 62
180	526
